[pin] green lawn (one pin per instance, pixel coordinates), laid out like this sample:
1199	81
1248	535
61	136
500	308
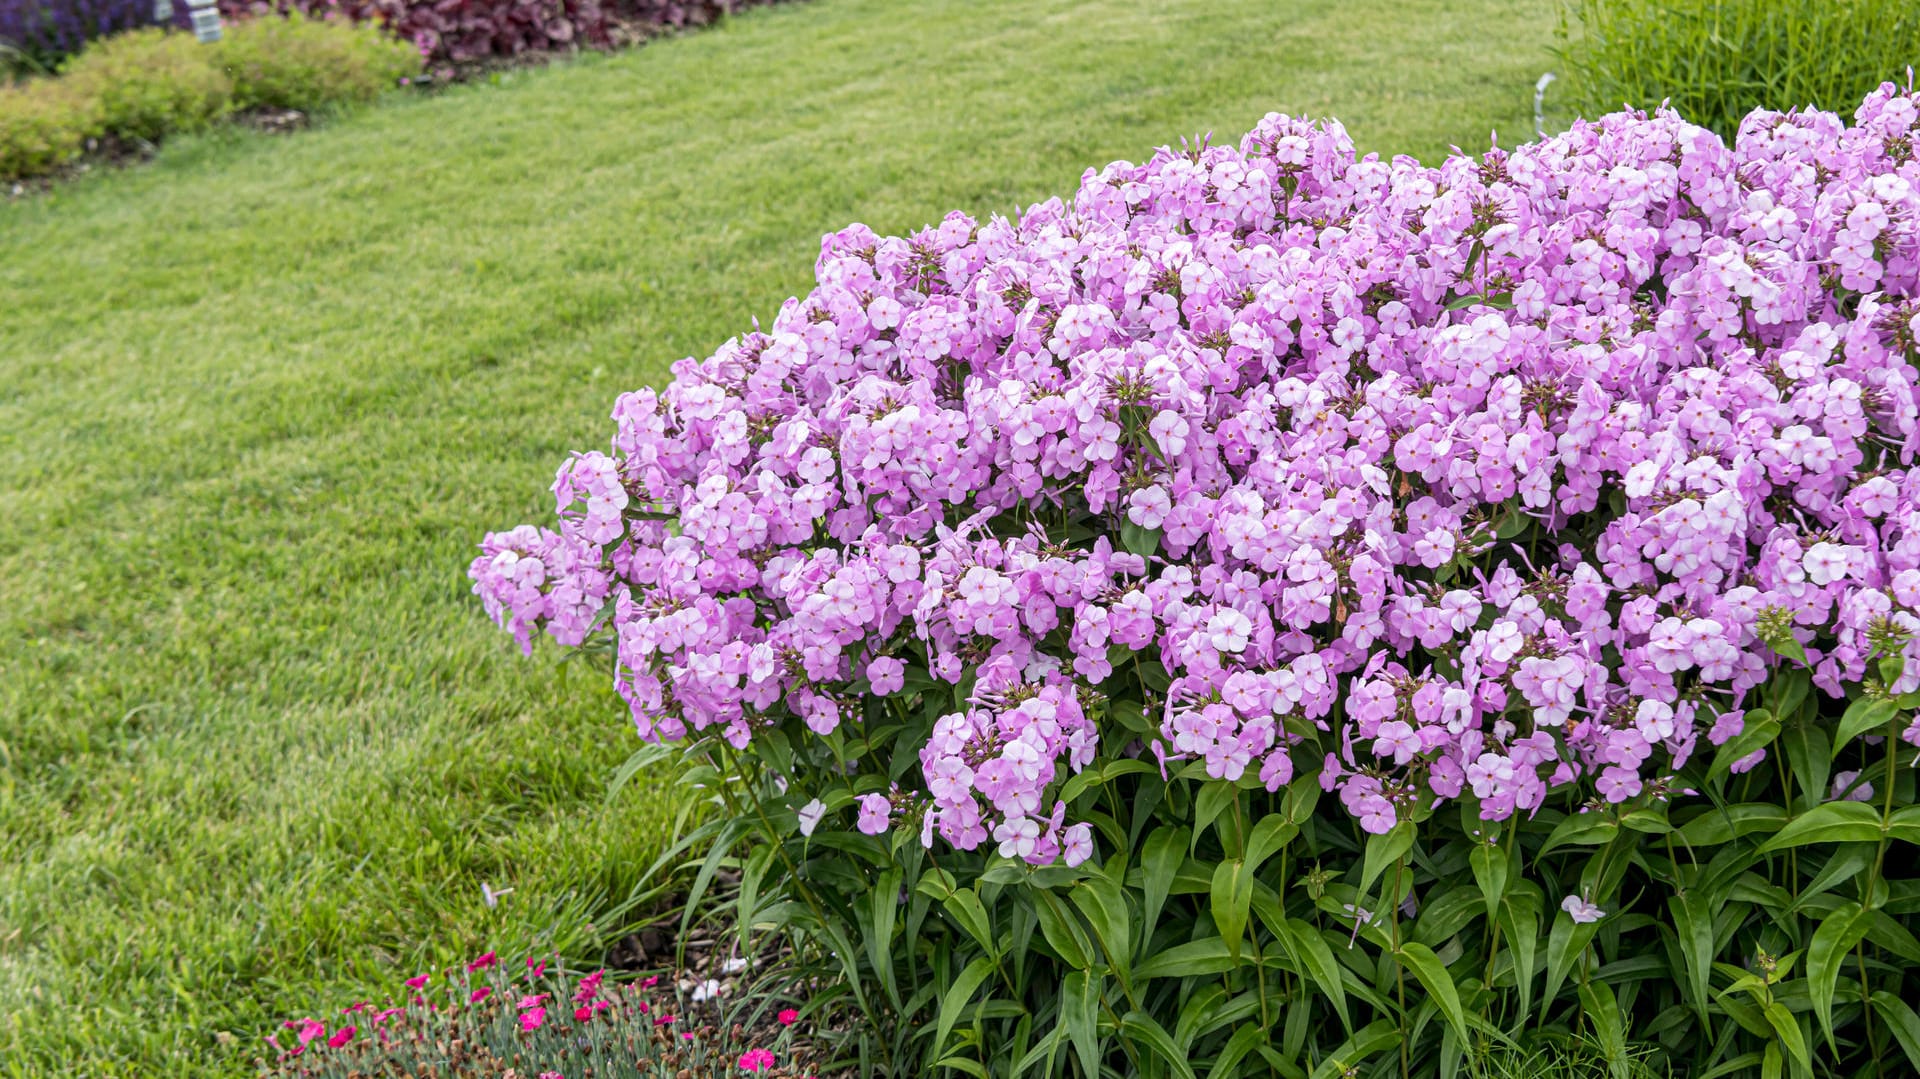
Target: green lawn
258	747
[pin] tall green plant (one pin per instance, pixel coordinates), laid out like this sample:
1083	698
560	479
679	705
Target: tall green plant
1717	60
1762	930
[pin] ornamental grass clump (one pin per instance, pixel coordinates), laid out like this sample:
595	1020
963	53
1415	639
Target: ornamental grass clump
1292	610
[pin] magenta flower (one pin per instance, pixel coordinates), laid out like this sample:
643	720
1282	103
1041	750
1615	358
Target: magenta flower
482	963
341	1037
754	1060
418	980
788	1017
532	1018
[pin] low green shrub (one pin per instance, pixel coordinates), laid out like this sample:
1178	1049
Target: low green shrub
42	126
1718	60
152	83
301	63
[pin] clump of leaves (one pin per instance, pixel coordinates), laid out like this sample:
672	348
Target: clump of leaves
1718	60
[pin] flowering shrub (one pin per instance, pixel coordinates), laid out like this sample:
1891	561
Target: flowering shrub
1027	584
466	30
489	1019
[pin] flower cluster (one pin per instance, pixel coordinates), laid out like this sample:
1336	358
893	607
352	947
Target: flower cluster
1497	478
490	1021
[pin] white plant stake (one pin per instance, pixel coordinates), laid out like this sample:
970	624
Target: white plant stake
206	20
1540	105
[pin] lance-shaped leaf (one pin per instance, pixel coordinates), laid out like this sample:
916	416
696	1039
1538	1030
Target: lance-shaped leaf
1079	1013
1693	924
1232	900
1759	732
1603	1012
1311	954
1863	715
1834	822
1433	975
1837	935
1140	1028
958	994
1899	1017
1489	864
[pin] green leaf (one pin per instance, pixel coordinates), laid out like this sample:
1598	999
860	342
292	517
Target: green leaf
1433	975
1894	937
1807	752
1213	800
1693	923
1099	899
936	883
1603	1011
1490	872
1586	829
1159	863
885	900
1144	542
964	907
1232	897
1383	851
1837	935
1079	1013
1444	915
1904	825
1142	1028
965	1064
1863	715
1520	921
958	994
1788	1030
1900	1019
1269	835
1311	954
1834	822
1208	955
1723	824
1062	930
1565	944
1245	1040
1759	731
1788	645
1847	862
1379	1035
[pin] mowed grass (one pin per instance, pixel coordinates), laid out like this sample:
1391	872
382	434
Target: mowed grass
259	750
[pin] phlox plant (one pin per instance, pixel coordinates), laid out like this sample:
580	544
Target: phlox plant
1288	612
492	1019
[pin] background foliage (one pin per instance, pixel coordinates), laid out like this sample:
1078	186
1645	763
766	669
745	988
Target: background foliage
46	30
1717	60
1762	930
148	85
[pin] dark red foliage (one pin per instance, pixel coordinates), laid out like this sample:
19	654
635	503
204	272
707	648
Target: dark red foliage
462	31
